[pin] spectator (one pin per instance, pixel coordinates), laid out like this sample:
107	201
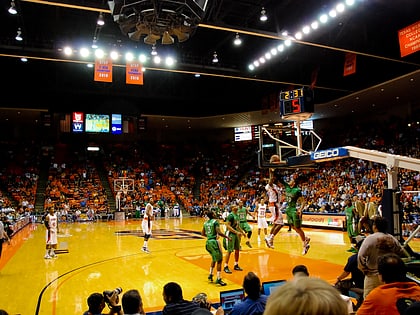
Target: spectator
306	296
254	302
355	282
175	302
395	291
96	303
205	306
300	271
132	303
375	245
3	235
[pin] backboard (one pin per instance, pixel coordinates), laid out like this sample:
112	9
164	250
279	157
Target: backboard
289	142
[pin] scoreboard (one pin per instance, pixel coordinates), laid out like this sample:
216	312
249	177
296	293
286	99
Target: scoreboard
298	103
246	133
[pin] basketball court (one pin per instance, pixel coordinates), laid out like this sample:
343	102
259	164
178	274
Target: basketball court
103	255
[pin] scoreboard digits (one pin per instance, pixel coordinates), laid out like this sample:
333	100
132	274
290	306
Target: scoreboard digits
295	102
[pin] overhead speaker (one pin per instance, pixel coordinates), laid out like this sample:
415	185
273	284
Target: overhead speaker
167	39
141	29
151	39
182	33
128	24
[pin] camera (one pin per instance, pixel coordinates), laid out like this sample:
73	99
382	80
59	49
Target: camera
108	293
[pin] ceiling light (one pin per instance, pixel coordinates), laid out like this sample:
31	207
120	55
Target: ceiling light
156	59
99	53
114	55
19	35
100	20
12	9
215	59
263	16
129	56
142	58
169	61
24	59
68	51
237	40
314	25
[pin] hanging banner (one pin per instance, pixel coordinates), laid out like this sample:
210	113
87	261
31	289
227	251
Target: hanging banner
409	38
133	73
103	70
349	64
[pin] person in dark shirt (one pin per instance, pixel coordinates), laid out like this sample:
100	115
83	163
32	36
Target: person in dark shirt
254	302
175	302
355	282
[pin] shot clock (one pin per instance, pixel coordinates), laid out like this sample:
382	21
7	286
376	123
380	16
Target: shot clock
297	104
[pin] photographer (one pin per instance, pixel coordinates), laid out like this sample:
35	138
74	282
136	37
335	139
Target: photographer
97	301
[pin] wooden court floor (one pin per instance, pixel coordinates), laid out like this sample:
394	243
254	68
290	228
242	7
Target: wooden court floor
105	255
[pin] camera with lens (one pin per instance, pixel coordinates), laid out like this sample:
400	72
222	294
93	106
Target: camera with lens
108	293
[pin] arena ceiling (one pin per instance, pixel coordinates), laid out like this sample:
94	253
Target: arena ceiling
368	30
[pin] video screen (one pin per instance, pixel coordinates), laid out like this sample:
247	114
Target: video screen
97	123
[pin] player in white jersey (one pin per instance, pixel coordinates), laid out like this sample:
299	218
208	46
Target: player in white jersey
51	223
274	193
147	225
260	211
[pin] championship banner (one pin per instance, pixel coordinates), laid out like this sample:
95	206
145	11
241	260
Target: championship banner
409	38
349	64
103	70
133	73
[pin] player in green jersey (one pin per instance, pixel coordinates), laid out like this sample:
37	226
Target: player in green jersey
211	229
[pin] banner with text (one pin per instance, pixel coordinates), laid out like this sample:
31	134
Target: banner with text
133	73
103	70
349	64
409	38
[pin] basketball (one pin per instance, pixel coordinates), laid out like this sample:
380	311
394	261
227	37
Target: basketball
275	158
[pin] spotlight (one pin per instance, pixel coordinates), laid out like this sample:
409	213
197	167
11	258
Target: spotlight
215	59
12	9
263	16
237	40
154	51
100	20
19	35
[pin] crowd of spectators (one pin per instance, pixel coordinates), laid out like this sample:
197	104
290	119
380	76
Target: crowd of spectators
196	177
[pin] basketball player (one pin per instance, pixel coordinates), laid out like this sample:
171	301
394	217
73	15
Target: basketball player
293	198
243	222
51	223
274	192
211	229
260	211
231	244
147	224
